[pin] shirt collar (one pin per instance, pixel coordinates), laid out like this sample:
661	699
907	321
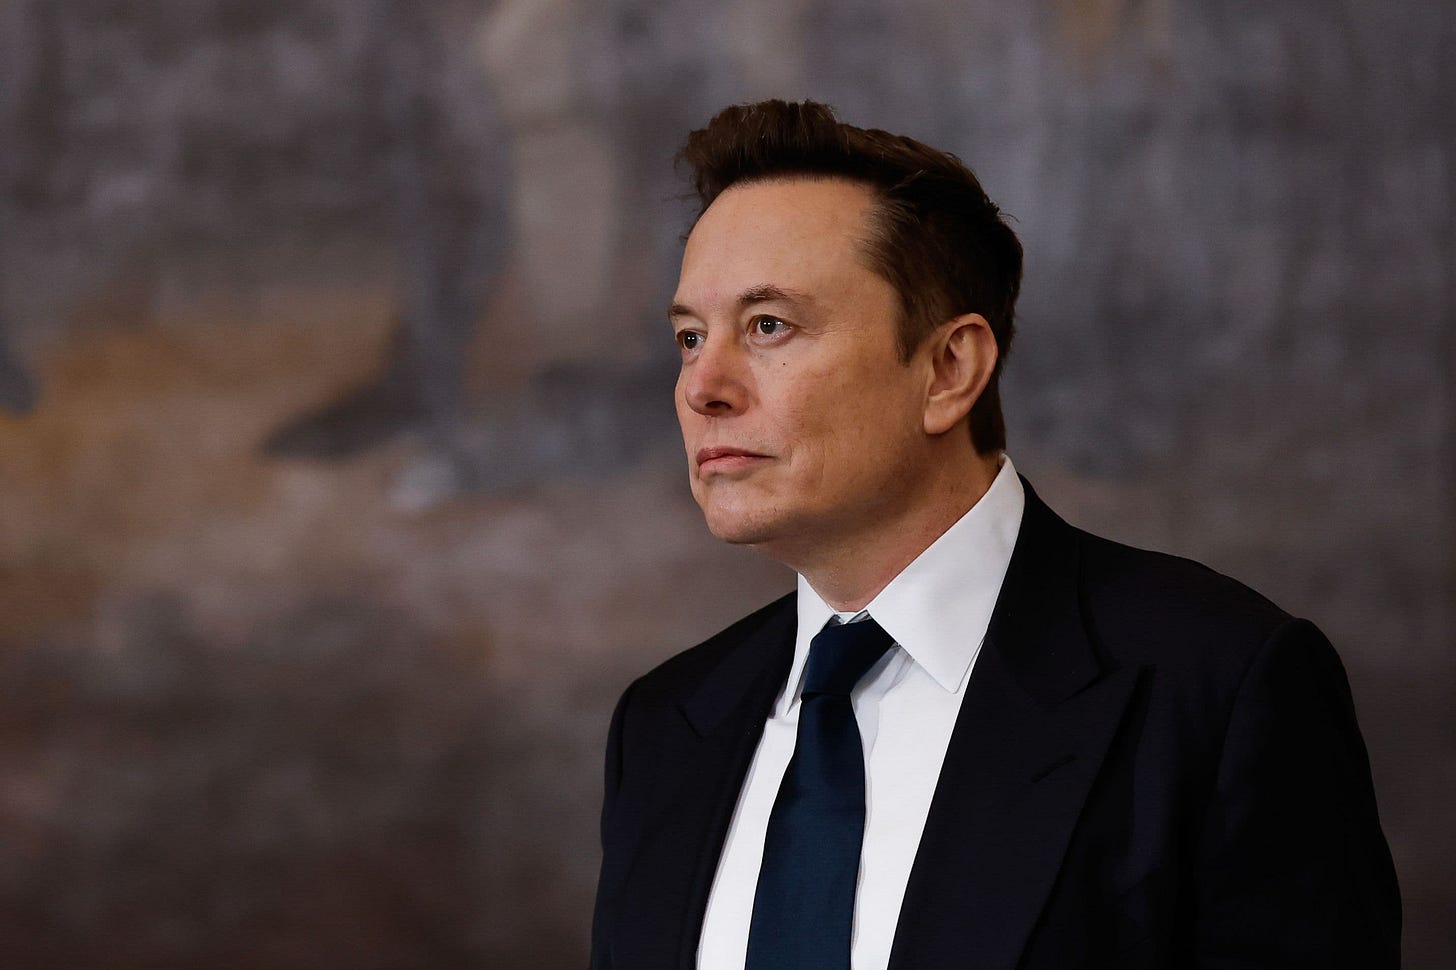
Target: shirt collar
939	607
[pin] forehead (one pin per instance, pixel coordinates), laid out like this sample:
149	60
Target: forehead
806	234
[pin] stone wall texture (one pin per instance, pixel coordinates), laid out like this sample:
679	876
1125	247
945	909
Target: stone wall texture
339	492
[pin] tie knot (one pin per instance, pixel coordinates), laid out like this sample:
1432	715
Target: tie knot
840	655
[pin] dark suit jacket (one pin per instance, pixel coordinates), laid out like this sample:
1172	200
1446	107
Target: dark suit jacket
1153	767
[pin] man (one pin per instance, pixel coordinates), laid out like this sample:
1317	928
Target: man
975	736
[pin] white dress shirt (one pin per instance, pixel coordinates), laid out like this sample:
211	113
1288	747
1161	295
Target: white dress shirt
937	611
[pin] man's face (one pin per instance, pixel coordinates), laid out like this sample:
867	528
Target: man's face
802	426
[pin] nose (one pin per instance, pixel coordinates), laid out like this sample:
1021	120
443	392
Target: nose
715	382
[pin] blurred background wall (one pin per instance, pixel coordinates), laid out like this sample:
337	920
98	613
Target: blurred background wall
339	492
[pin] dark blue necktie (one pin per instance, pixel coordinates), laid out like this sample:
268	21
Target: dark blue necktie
803	911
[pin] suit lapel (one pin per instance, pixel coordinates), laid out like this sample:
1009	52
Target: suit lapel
708	754
1040	710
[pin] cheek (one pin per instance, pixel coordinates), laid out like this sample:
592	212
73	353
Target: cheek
821	428
860	435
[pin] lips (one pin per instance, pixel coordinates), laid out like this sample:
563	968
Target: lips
726	459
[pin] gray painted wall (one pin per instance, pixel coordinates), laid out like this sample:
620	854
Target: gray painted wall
340	489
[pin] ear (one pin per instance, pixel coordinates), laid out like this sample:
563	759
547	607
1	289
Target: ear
962	358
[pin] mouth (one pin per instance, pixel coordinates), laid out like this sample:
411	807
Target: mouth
717	460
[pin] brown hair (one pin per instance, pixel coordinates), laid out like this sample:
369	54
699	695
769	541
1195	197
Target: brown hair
935	236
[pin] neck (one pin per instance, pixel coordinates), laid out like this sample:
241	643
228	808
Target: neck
851	572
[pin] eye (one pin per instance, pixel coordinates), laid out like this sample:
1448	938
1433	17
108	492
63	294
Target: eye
689	340
765	326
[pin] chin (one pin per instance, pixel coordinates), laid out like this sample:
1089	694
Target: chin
736	532
737	527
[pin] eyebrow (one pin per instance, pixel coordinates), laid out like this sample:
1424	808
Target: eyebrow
763	293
